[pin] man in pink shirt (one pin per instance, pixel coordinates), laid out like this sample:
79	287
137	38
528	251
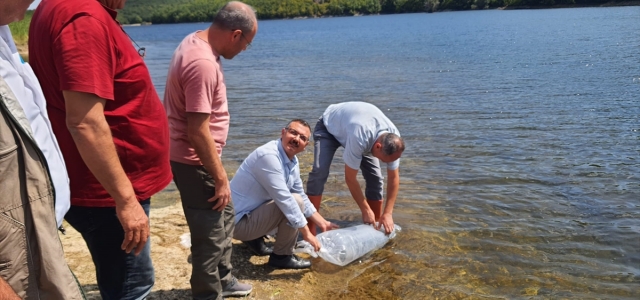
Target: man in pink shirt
196	104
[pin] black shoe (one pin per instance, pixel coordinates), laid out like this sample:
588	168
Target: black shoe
258	246
288	262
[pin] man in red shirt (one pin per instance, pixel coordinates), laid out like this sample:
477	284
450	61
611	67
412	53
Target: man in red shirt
112	131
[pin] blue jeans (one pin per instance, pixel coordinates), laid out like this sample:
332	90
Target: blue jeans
120	275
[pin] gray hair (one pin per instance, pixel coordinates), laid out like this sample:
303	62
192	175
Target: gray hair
236	15
300	121
391	143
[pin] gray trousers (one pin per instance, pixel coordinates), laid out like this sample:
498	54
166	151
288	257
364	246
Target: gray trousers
324	148
264	219
211	231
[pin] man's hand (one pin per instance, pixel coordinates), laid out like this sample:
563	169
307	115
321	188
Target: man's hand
135	224
91	133
307	236
223	195
6	292
317	219
386	220
326	226
368	217
205	146
313	241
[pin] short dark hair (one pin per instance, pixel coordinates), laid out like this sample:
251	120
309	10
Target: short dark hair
300	121
391	143
231	17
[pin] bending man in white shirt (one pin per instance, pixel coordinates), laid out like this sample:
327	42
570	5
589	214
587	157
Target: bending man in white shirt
368	138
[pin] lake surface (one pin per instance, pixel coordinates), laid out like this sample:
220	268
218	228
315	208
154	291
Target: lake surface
521	177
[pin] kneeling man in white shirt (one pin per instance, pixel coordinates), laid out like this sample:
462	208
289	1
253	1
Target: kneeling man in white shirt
267	193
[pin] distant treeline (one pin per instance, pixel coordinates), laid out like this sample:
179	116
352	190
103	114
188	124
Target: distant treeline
182	11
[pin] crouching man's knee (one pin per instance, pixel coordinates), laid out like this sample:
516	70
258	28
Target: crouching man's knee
299	201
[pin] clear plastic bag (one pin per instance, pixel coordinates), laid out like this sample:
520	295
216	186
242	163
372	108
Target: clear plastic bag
344	245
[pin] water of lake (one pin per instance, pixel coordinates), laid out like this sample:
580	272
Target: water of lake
522	175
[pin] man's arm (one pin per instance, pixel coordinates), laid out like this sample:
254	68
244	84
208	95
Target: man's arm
309	237
393	183
269	173
205	146
309	210
297	188
6	292
368	216
324	225
92	135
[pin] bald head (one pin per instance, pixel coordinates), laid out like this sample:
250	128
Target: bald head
236	15
391	143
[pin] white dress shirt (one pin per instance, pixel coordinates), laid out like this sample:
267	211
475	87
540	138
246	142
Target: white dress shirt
26	88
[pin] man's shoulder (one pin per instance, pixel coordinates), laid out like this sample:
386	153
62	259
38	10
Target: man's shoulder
267	151
270	148
194	50
52	17
8	98
70	9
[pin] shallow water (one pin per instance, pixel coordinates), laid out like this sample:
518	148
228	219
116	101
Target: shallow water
521	176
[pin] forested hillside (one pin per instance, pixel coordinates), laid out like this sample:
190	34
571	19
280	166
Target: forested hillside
178	11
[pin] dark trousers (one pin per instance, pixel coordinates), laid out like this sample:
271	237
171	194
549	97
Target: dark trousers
120	275
211	231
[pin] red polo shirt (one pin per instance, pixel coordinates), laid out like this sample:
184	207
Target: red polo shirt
77	45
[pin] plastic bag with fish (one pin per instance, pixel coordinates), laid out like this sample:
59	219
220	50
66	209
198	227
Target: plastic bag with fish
344	245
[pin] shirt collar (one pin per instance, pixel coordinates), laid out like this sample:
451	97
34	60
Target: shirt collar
111	12
283	155
213	51
378	134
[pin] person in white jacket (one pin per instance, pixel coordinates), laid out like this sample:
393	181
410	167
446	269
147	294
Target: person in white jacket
33	181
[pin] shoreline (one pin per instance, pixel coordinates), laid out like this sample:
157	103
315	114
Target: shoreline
173	270
608	4
170	260
24	52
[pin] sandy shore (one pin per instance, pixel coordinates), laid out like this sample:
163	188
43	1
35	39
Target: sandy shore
172	268
323	281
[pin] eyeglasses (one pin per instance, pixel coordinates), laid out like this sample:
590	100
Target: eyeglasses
294	132
248	46
142	51
248	43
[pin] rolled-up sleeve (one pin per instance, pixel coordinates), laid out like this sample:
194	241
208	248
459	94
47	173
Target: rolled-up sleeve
268	171
394	164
